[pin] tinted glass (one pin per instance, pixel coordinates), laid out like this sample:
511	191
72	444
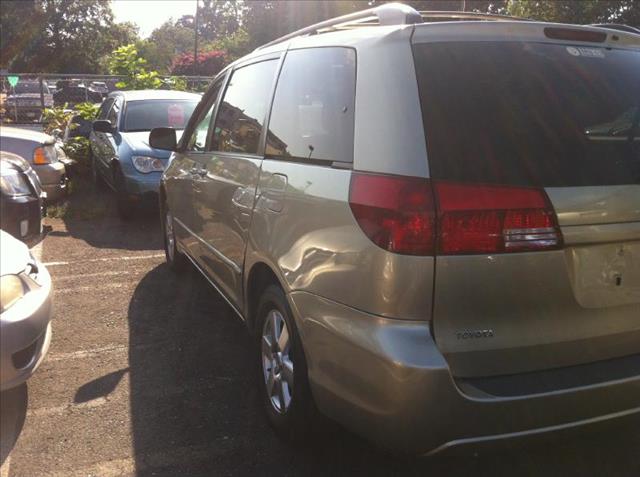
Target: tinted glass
530	113
241	114
25	88
146	115
104	109
113	114
313	109
198	138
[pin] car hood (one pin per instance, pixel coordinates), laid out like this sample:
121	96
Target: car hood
14	255
139	144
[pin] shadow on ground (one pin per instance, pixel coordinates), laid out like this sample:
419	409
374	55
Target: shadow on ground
90	214
195	410
13	410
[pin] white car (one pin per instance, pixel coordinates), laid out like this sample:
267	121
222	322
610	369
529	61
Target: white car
25	312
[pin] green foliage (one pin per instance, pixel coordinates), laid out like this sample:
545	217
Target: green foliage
125	61
56	119
88	111
164	43
176	83
70	36
78	148
236	45
578	11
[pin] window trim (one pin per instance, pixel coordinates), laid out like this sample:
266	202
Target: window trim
192	123
302	160
279	57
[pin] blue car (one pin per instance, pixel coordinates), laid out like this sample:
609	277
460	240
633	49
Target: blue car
120	153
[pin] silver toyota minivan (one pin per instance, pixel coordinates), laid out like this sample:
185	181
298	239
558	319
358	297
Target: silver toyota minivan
430	223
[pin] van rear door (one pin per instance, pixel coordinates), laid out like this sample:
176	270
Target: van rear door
561	119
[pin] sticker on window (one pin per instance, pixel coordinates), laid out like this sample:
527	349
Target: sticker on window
585	52
175	116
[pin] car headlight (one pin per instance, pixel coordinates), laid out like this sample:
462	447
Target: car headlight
11	290
12	182
146	164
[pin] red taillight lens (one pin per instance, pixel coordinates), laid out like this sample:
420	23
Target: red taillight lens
494	219
396	213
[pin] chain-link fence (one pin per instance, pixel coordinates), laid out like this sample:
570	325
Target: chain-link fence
24	96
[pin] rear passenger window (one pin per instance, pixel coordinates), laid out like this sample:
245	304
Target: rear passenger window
241	114
313	109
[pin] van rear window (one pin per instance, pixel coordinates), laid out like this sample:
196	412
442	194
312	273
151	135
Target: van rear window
530	113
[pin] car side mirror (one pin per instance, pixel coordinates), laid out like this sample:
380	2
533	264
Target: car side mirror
103	126
163	138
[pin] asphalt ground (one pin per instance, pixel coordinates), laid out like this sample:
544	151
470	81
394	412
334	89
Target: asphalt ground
149	373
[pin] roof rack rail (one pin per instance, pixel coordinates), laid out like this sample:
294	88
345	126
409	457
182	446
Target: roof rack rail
617	26
386	14
453	15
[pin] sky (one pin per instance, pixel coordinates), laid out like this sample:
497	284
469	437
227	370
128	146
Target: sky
150	14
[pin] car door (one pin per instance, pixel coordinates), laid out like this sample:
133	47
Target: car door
98	139
180	174
225	186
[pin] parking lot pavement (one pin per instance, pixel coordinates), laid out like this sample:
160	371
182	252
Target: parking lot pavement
149	374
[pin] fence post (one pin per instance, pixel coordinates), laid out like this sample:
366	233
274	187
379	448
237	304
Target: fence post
41	92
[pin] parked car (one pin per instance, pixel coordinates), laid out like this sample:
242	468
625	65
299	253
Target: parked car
39	150
100	86
72	95
24	102
120	151
416	228
25	312
21	198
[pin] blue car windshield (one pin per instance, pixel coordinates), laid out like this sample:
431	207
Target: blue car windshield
146	115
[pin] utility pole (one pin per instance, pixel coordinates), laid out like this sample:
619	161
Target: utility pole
195	49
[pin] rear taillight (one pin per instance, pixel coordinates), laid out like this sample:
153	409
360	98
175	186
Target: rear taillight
494	219
396	213
399	215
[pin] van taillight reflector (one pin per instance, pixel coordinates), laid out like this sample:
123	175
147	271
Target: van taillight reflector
396	213
494	219
575	35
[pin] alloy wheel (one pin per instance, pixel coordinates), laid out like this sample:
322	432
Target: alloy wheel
277	365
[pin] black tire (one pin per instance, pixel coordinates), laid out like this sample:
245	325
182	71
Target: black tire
175	259
299	422
126	207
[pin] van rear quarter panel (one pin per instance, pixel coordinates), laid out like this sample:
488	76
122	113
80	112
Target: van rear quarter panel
315	245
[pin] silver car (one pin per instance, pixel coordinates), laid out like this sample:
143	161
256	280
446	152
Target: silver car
25	312
39	150
432	228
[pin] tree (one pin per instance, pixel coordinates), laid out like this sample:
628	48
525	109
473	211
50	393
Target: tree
125	61
164	43
578	11
209	64
64	36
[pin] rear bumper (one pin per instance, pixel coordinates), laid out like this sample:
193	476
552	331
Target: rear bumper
386	380
54	180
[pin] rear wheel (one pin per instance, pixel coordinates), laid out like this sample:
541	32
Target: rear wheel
175	259
284	384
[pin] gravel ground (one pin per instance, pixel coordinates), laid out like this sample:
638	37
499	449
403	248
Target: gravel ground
149	374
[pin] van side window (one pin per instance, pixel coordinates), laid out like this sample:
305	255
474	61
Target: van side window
198	139
313	109
241	114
